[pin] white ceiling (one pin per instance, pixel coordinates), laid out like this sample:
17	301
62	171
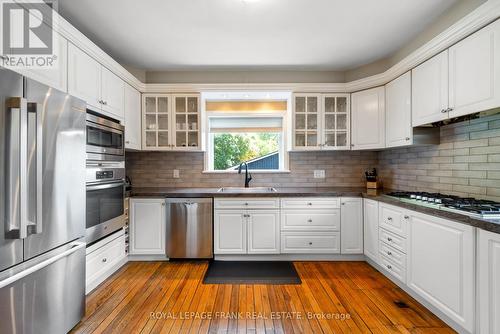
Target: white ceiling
251	34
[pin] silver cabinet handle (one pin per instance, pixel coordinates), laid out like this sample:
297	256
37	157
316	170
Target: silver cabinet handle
389	253
407	138
127	141
407	217
342	203
449	109
389	239
104	260
389	266
444	111
389	218
105	103
309	203
310	243
309	220
246	203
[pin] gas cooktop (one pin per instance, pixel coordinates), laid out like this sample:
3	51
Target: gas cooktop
472	207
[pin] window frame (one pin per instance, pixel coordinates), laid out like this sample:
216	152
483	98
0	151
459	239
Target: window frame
283	151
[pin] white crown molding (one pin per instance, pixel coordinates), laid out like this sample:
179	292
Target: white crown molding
480	17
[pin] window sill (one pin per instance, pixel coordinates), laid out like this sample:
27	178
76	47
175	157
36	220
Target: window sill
262	171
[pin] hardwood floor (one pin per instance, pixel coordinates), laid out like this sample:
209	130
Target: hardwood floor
334	297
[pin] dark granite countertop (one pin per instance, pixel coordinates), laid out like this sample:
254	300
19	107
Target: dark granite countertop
378	195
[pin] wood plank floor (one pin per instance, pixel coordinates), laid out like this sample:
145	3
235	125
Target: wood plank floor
334	297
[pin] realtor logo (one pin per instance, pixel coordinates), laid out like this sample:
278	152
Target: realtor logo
27	35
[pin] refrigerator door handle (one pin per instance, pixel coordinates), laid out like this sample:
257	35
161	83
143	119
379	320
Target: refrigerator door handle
35	142
76	245
17	175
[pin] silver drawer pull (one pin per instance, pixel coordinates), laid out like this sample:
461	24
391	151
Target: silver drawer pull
389	218
310	243
309	220
389	239
389	266
407	217
389	253
309	204
104	260
246	203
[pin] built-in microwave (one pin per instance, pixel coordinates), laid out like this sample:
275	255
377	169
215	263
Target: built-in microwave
105	138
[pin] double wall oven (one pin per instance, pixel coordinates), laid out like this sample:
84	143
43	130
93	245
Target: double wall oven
105	176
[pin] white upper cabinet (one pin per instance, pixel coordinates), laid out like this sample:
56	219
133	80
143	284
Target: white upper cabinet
489	282
321	122
368	119
90	81
113	93
399	131
351	225
84	77
370	221
475	72
171	122
306	121
132	110
430	90
441	266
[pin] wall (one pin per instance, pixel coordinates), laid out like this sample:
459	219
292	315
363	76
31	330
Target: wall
466	163
155	169
256	76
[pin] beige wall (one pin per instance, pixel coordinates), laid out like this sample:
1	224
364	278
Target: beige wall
244	77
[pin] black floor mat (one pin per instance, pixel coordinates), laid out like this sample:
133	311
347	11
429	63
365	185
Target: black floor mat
251	272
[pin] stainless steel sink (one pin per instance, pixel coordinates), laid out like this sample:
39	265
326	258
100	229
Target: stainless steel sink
243	190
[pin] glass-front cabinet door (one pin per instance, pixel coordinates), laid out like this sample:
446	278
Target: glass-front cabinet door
187	122
171	122
156	122
306	121
335	120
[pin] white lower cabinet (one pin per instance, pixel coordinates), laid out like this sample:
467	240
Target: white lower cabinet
263	232
440	266
489	282
351	228
103	259
238	230
370	222
147	226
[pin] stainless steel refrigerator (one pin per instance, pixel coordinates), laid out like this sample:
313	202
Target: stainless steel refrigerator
42	207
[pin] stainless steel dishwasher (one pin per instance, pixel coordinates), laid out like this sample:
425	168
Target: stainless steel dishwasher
189	228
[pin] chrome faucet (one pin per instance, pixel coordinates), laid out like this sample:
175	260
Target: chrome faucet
248	176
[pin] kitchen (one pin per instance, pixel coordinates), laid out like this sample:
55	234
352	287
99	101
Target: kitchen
194	186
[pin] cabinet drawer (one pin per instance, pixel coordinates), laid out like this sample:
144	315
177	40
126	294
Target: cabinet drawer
317	220
394	219
392	240
310	203
246	203
105	257
393	254
310	242
393	269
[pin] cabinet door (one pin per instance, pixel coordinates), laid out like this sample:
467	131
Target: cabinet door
156	122
56	77
475	72
399	131
132	109
371	243
147	227
186	122
368	119
306	121
335	122
489	282
113	91
84	77
351	226
429	92
230	232
264	232
440	266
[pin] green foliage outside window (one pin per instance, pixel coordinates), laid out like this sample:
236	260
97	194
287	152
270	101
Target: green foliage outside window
231	149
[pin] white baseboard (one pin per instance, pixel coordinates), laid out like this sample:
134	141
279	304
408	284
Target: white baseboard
422	301
147	258
289	257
